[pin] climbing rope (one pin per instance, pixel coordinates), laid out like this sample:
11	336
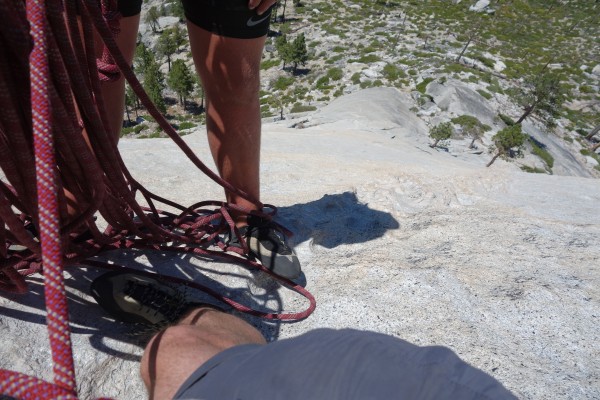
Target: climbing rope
50	82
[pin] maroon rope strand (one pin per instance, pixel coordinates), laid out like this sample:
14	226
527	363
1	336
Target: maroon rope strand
57	318
43	153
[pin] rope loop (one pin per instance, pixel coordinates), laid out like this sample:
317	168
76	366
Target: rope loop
55	146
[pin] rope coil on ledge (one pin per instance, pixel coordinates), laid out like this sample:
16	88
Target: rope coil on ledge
41	137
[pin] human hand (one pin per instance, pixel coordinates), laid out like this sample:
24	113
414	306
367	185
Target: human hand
260	5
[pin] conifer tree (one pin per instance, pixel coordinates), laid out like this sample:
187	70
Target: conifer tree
181	81
152	18
154	84
440	132
131	101
166	46
507	140
283	49
541	95
199	90
142	57
471	127
299	52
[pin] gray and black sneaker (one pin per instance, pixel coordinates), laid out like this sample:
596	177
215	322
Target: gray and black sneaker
140	299
268	245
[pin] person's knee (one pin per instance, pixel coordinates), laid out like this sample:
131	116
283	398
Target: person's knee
179	345
237	86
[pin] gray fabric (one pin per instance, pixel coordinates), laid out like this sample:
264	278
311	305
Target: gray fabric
346	364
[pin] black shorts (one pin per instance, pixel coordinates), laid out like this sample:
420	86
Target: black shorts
230	18
335	365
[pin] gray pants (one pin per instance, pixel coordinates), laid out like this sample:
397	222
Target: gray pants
346	364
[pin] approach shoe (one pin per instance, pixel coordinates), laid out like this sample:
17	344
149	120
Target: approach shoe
140	299
268	245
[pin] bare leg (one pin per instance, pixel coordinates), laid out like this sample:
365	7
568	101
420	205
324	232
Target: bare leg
113	93
175	353
230	73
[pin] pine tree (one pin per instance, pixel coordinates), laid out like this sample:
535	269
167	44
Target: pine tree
179	36
506	140
471	127
181	81
166	46
152	18
154	84
299	52
440	132
176	9
284	49
199	90
542	95
142	57
131	101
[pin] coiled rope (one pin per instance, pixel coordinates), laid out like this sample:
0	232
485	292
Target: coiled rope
49	90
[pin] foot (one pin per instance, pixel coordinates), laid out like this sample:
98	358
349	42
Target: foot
268	245
137	298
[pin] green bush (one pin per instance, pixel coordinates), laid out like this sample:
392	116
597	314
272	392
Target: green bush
495	87
186	125
126	131
298	108
355	78
533	170
366	59
422	86
541	153
283	82
506	119
273	62
485	61
334	59
484	94
391	72
140	127
335	74
323	83
133	129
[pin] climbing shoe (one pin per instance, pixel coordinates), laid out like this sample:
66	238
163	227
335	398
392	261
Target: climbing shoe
140	299
267	244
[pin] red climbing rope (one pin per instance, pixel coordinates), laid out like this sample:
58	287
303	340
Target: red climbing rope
49	91
57	313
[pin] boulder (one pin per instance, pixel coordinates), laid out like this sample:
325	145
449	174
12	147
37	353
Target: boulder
480	6
373	108
458	98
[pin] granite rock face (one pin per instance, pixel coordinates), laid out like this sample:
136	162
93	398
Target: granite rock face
430	246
